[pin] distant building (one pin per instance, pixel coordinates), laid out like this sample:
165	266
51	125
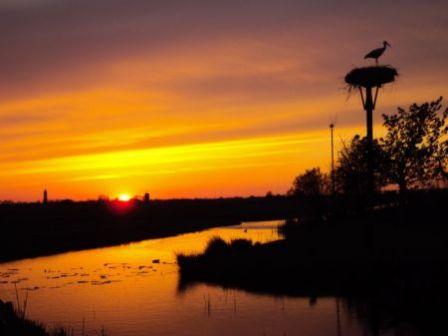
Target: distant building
146	198
45	200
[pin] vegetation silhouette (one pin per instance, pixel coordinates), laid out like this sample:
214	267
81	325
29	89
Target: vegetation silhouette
417	145
412	154
31	229
352	169
387	260
13	322
312	183
401	273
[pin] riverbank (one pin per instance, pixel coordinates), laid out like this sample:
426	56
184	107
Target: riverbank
349	251
14	323
34	229
391	264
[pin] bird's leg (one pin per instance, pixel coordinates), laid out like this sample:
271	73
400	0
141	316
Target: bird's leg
376	61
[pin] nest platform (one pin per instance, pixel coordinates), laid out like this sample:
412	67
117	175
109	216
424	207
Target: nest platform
372	76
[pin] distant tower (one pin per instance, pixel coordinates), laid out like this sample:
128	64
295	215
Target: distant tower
146	198
45	200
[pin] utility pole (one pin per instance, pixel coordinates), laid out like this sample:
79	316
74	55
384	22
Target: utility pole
45	198
332	158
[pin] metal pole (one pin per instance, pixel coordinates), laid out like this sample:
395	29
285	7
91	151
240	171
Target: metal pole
332	159
369	110
369	106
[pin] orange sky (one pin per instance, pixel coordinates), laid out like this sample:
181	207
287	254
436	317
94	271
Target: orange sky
194	98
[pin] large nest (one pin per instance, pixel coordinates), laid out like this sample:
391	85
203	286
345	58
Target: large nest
372	76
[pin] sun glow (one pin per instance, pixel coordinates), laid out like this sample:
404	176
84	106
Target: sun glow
124	197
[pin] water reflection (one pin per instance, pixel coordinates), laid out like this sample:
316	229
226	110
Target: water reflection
132	290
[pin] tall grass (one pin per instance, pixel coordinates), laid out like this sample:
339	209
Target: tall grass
218	247
14	321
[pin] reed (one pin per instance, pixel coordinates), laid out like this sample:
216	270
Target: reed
13	321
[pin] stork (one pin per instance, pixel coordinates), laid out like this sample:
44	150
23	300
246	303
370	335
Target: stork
376	53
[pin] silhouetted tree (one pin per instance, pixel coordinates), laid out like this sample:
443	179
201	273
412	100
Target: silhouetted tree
352	170
311	183
417	145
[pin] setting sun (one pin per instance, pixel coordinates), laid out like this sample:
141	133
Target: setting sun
124	197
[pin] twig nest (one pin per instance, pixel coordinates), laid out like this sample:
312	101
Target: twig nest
372	76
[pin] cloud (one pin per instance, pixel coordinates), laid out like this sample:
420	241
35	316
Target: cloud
95	77
54	45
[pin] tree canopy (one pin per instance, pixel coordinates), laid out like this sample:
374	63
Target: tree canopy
412	154
310	184
351	173
416	144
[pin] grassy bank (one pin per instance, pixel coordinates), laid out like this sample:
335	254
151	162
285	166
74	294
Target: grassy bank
389	265
14	323
329	257
344	247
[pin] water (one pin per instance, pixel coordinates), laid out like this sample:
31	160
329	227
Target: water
132	290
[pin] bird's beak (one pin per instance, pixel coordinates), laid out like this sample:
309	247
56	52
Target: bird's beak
388	44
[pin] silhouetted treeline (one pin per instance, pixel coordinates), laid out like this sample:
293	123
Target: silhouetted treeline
33	229
413	154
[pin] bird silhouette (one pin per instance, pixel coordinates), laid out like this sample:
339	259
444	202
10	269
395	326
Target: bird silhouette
376	53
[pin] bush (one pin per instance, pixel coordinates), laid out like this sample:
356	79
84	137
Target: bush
240	245
216	246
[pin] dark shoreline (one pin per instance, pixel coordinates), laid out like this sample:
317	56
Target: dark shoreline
388	265
34	229
13	322
328	257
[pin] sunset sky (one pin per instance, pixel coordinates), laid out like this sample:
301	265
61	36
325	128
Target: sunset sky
196	98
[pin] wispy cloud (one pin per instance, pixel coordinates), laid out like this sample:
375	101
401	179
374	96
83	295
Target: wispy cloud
99	79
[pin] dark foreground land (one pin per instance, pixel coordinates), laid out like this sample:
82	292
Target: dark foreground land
34	229
14	323
388	266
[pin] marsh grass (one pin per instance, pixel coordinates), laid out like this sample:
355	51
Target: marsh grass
217	248
14	321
